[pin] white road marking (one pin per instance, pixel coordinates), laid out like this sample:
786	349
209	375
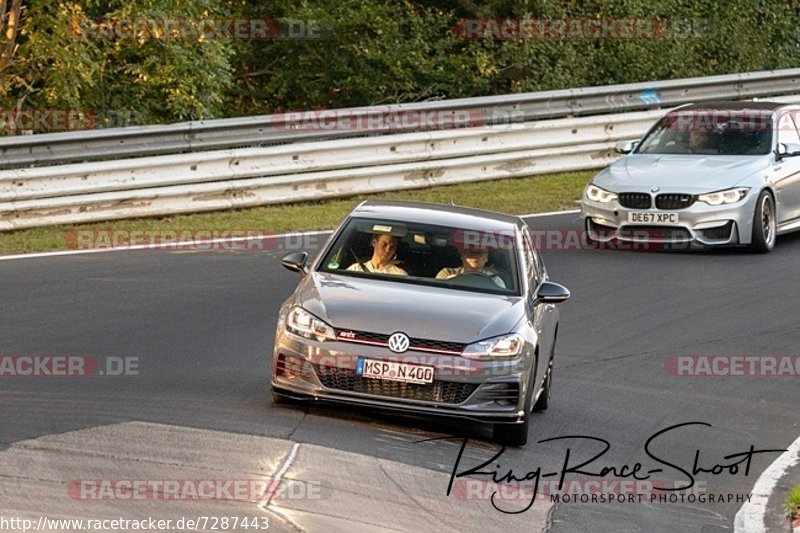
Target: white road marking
551	213
165	246
276	481
750	518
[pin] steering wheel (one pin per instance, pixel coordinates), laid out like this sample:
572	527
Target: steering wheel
480	280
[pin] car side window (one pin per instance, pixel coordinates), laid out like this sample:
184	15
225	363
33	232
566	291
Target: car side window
532	261
787	129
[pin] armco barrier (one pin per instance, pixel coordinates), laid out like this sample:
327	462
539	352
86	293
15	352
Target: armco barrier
186	183
271	130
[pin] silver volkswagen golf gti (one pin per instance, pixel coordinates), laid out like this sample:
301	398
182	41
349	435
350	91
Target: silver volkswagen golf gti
719	173
427	309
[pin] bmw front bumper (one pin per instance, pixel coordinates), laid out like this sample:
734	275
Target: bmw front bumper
699	224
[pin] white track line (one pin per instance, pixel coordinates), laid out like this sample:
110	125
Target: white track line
275	482
750	518
170	246
549	213
165	246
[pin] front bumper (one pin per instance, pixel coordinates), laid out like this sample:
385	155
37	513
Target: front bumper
698	224
491	392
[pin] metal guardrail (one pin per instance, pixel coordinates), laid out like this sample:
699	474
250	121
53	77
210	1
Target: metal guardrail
246	177
270	130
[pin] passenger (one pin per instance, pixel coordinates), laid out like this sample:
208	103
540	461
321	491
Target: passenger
384	248
473	261
697	142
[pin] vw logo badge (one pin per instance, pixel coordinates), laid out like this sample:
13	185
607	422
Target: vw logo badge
655	189
398	342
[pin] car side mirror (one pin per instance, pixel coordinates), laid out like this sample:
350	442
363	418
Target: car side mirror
296	262
625	147
552	293
788	150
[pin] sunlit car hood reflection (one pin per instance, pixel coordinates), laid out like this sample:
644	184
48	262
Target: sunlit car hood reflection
420	311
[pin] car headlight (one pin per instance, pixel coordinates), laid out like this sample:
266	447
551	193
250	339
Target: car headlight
303	323
495	348
728	196
596	194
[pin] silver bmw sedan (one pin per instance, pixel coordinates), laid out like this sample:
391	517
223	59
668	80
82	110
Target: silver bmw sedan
424	309
711	174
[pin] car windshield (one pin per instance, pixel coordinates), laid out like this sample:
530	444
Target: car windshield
404	252
710	132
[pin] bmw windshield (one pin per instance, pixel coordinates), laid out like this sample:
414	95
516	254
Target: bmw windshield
710	132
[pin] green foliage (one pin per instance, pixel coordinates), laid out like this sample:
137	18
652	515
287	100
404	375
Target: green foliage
69	65
370	52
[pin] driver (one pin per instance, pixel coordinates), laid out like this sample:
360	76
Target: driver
696	142
473	261
384	248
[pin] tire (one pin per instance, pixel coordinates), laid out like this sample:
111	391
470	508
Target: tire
543	402
512	434
764	224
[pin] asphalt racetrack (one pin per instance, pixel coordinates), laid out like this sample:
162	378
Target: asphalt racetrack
199	326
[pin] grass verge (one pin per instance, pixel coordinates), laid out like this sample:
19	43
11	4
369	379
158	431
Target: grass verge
535	194
793	503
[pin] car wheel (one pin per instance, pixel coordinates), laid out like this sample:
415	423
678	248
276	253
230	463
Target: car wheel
512	434
543	402
764	224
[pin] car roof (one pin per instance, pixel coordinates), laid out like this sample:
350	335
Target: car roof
436	214
736	106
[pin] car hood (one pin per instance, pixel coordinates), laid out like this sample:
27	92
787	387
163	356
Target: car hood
679	173
419	311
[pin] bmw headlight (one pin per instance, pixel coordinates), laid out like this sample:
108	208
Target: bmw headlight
728	196
596	194
495	348
303	323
